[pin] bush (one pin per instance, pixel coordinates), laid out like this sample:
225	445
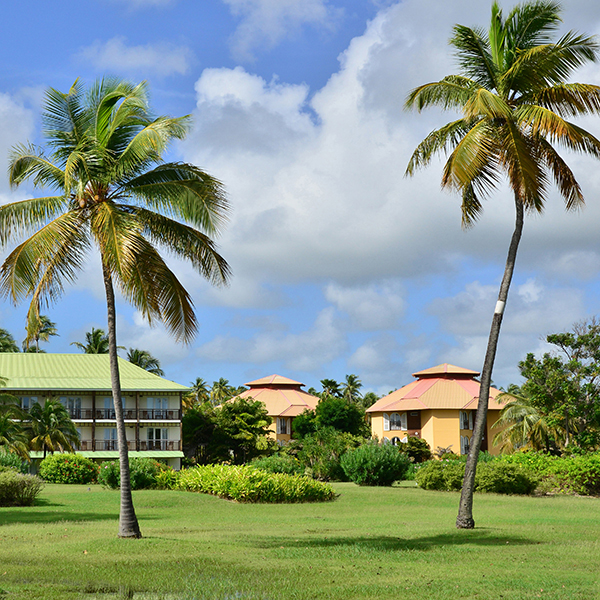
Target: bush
8	459
416	449
143	473
248	484
504	478
68	468
167	480
279	463
17	489
445	475
374	464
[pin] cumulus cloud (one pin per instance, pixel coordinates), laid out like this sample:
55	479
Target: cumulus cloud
115	54
265	23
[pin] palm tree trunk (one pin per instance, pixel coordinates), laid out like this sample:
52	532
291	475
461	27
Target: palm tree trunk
128	524
464	520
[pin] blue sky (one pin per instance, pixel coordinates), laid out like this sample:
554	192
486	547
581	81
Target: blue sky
340	264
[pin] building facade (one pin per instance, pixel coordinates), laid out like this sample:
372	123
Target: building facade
151	404
438	407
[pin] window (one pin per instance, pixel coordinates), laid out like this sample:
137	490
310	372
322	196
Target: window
386	422
395	441
283	425
466	419
464	444
73	405
110	438
109	408
398	421
157	438
28	401
159	407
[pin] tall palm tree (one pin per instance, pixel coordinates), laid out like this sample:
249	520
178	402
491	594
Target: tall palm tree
145	360
351	388
39	328
50	428
330	388
198	394
514	98
96	342
221	391
7	342
114	193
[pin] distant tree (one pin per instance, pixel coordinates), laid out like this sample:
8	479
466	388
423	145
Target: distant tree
96	342
350	389
199	394
330	388
7	342
50	428
145	360
369	399
341	415
304	424
39	328
221	391
198	427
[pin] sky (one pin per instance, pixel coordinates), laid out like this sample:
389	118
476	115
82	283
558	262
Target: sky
341	264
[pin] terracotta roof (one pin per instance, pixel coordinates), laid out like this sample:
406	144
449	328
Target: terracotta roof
282	396
274	380
445	386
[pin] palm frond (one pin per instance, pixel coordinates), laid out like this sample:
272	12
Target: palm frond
568	99
26	161
474	57
451	92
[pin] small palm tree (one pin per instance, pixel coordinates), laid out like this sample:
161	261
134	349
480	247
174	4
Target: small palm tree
145	360
113	192
96	342
199	394
221	391
330	388
514	98
7	342
50	428
351	389
39	328
12	434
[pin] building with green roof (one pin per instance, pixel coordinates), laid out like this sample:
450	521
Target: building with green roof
151	404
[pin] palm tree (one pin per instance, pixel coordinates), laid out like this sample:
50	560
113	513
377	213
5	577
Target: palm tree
330	388
39	328
514	97
220	391
145	360
114	193
522	425
198	394
12	435
50	428
351	389
7	342
96	342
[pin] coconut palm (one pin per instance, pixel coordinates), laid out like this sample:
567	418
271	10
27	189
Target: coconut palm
145	360
7	342
96	342
39	328
50	429
522	425
514	98
351	389
114	193
198	394
221	391
330	388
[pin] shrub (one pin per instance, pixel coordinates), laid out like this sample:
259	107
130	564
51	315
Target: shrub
446	475
374	464
17	489
248	484
417	449
167	480
142	471
68	468
504	478
11	460
279	463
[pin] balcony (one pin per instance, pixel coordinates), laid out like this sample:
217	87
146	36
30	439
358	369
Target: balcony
145	445
129	414
159	414
160	445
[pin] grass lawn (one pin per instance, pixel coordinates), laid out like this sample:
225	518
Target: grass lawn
370	543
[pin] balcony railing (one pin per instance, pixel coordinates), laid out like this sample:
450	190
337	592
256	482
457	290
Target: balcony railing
131	445
128	414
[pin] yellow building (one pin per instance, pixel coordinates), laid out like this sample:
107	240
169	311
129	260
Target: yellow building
284	400
438	407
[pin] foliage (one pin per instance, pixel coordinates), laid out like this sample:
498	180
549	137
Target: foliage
446	475
18	489
417	449
198	426
13	461
321	452
39	329
279	463
198	394
166	480
96	342
374	464
304	424
248	484
145	360
142	471
68	468
50	428
7	342
341	415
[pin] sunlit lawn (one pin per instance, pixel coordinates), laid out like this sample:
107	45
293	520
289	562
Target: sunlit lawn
370	543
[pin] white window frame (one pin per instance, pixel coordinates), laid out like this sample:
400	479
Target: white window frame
398	421
386	422
283	426
464	444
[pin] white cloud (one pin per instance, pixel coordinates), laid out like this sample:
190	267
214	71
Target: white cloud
309	350
373	307
265	23
116	55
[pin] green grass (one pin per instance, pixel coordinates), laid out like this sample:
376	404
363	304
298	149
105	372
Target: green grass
370	543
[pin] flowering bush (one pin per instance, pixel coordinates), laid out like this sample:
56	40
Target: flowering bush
68	468
142	472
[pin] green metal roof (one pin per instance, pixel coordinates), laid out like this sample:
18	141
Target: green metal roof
76	372
114	454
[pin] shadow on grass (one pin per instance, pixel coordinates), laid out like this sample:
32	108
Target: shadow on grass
28	515
479	537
